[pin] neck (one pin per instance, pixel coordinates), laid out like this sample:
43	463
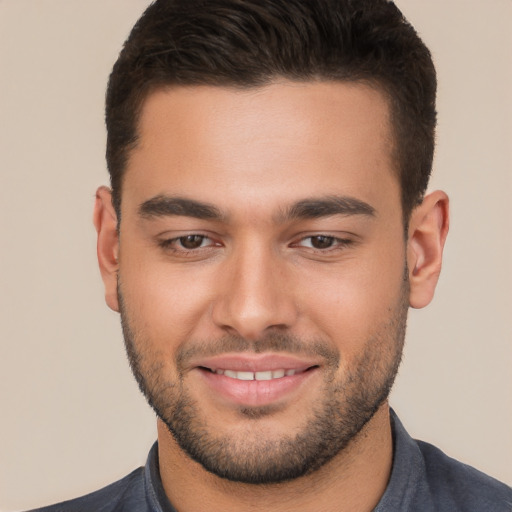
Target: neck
353	480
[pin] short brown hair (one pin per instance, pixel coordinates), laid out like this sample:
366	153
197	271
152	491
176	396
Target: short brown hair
248	43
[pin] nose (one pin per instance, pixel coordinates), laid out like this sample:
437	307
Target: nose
255	295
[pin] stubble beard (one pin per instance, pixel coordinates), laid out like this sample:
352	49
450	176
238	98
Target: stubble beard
349	402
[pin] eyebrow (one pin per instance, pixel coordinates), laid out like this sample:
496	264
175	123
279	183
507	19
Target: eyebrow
315	208
312	208
163	206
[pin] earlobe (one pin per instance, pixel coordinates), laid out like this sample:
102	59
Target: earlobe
428	228
105	222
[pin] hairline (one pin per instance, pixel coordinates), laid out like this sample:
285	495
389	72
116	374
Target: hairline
375	84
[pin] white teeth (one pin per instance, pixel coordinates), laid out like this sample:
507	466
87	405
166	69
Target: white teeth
265	375
245	375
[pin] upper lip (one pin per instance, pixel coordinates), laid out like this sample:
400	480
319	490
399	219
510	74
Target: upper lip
255	362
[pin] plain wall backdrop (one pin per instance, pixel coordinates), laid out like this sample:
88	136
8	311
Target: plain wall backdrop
71	416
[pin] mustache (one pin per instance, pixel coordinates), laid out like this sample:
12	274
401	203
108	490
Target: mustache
271	342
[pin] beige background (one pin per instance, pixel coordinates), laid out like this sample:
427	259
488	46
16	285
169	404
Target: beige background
71	418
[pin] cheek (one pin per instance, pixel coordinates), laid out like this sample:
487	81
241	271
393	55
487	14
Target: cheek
165	304
352	303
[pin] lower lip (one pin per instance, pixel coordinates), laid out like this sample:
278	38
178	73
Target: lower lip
255	392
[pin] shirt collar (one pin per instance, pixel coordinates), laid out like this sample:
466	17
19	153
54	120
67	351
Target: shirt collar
407	482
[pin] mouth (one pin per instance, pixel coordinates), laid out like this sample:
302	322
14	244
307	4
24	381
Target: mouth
259	375
255	380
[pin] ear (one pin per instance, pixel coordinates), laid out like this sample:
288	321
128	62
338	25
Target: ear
105	222
428	228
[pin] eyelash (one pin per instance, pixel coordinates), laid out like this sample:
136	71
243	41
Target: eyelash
171	244
336	243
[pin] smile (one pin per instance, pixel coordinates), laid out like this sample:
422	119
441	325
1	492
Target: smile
256	386
261	375
256	380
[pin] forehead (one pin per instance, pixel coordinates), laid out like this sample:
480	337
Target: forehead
283	140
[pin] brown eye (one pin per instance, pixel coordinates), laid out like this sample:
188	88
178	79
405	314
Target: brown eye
321	241
192	241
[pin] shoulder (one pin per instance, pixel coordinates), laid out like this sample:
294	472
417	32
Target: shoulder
424	478
124	495
457	486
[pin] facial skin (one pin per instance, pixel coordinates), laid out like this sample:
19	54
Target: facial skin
261	230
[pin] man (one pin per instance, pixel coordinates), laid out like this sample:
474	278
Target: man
266	232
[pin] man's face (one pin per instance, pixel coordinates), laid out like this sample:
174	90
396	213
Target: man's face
262	274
